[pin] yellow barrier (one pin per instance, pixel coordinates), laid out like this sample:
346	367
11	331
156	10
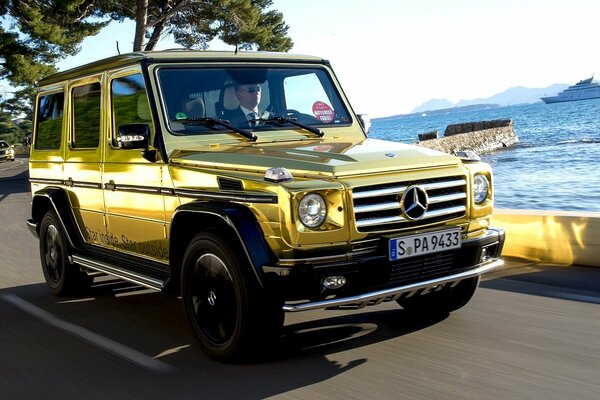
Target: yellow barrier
560	237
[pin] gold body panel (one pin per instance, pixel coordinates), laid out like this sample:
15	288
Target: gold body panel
125	202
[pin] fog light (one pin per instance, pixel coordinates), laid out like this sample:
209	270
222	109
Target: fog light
334	282
484	255
489	252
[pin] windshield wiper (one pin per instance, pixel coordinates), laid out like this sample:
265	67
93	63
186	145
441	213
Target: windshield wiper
283	120
211	122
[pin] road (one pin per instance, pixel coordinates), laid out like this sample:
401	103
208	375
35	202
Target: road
530	332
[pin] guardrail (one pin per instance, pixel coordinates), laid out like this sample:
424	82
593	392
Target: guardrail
558	237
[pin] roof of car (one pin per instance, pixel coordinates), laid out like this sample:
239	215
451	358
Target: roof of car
176	55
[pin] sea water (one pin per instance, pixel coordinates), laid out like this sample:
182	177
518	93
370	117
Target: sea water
555	165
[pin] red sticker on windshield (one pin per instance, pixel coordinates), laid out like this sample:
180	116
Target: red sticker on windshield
323	112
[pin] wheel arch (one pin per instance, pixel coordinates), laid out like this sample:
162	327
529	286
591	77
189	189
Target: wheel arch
56	199
235	222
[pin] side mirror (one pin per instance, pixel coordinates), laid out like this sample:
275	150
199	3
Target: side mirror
133	136
365	121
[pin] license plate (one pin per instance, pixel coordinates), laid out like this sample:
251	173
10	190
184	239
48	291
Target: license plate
426	243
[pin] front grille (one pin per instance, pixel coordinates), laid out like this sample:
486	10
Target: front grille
377	207
419	268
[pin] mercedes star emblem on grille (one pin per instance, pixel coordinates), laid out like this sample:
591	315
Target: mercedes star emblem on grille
414	202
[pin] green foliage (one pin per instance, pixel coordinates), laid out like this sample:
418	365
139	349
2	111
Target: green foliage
193	23
36	34
13	132
20	102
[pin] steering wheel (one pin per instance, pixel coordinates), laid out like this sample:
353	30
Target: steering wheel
301	117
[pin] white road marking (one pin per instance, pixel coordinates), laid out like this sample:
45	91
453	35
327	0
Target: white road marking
109	345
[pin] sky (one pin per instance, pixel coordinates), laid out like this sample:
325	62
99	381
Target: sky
393	55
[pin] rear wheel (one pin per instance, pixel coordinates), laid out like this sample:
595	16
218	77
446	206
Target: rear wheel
61	276
229	313
447	299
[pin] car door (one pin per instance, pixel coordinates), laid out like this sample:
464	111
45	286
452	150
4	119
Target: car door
82	166
132	184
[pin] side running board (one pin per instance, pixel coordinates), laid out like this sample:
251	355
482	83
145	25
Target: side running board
111	269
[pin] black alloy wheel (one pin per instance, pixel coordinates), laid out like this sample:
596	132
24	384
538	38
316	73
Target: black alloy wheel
62	277
227	310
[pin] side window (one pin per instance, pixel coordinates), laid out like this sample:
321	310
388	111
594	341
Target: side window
130	103
49	121
86	116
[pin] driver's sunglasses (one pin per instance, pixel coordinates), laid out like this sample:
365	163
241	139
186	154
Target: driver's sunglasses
251	89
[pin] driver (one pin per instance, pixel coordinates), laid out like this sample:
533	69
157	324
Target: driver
249	98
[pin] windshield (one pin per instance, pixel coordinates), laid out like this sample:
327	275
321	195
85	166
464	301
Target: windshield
200	101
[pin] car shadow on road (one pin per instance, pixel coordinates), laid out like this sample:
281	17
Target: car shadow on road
557	281
155	325
11	184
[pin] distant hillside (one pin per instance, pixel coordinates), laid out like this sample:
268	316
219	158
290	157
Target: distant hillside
433	104
471	107
514	95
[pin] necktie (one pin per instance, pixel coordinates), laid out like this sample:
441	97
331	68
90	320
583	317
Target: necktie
251	118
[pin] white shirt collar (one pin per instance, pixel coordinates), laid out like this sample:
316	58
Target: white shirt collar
247	111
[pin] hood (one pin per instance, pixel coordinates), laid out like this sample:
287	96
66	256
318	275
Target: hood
318	157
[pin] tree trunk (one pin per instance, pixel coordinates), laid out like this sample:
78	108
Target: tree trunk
141	19
155	37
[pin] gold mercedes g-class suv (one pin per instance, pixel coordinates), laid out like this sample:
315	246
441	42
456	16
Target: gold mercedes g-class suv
246	184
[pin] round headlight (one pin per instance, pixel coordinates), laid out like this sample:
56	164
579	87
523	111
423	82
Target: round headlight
481	188
312	210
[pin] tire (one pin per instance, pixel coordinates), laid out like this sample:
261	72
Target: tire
447	300
230	315
61	276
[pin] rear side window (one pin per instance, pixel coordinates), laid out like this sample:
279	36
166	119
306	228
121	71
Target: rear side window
49	121
86	116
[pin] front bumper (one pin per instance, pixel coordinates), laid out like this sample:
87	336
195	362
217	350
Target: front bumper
379	296
372	279
7	156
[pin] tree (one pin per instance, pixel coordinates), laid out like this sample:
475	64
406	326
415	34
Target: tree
194	23
36	34
11	131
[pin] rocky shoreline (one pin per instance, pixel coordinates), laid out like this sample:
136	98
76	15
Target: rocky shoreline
480	137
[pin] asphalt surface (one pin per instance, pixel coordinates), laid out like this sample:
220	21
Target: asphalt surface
530	332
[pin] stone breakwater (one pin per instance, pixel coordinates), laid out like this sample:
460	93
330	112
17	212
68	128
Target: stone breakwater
480	137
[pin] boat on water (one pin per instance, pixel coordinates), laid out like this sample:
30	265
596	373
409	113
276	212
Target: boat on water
583	90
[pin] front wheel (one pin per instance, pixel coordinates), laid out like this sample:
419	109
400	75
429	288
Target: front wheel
229	313
446	300
61	276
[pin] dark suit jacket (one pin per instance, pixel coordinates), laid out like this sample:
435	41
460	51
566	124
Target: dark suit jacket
236	117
